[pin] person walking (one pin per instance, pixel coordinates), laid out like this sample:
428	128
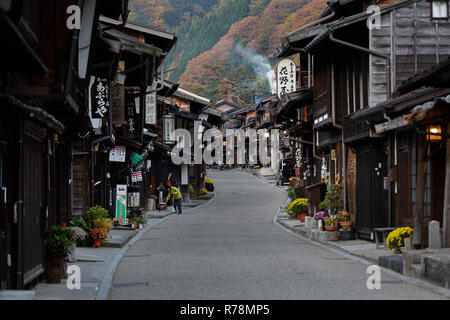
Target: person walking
173	191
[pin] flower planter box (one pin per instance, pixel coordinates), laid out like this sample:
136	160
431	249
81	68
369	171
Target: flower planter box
346	224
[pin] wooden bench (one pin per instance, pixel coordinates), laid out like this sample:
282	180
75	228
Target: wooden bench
383	232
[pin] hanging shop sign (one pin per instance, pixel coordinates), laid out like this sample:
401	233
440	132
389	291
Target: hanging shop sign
117	154
136	176
100	98
150	108
169	129
118	103
134	200
132	113
286	77
121	204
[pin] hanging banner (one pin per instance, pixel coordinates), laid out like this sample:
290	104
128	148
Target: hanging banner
117	154
121	204
169	129
150	108
132	113
286	77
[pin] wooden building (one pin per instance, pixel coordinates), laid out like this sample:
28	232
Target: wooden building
43	92
357	68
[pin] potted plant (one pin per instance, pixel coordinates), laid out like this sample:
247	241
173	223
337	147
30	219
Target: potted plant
320	215
298	208
209	184
396	239
94	213
294	191
140	222
333	202
79	237
345	220
331	224
57	243
102	223
98	234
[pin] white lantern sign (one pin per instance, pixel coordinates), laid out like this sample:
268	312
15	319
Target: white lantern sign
286	77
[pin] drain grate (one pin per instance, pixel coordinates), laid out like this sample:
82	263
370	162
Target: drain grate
136	256
334	258
303	273
391	282
130	284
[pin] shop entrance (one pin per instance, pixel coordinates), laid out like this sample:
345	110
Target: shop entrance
371	194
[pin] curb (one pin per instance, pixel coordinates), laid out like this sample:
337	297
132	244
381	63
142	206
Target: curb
413	281
106	283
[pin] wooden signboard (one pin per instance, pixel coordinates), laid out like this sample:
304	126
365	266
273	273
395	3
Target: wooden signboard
133	113
351	182
118	103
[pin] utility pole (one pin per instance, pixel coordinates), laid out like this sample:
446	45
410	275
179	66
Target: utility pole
420	191
446	214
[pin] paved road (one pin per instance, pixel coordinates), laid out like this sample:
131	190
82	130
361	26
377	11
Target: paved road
230	249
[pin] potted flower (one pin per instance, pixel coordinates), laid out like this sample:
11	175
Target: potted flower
209	184
396	239
82	224
345	220
57	243
331	224
94	213
298	208
294	191
79	236
98	234
320	215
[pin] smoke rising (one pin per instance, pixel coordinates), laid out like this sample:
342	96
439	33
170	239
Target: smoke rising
260	64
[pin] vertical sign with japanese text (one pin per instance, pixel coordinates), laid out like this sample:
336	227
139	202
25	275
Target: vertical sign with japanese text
100	99
286	77
150	109
169	129
118	103
132	113
121	204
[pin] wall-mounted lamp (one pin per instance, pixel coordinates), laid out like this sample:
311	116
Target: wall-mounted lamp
151	147
434	132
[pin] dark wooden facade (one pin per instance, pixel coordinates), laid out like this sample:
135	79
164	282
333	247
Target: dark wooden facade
43	106
357	71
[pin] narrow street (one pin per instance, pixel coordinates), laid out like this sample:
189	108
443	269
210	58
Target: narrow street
231	249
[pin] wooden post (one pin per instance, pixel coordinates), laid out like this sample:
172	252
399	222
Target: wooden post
420	191
446	214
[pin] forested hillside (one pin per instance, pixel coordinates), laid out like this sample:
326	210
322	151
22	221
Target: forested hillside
233	36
